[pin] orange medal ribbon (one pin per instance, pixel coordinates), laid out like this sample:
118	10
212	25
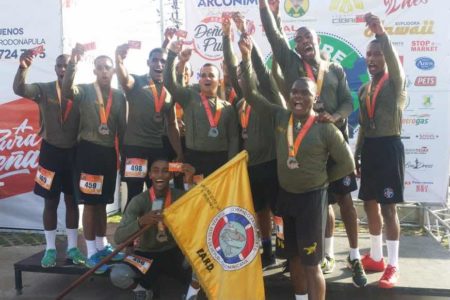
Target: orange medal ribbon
104	115
167	201
213	121
320	75
245	117
159	100
294	147
371	101
63	117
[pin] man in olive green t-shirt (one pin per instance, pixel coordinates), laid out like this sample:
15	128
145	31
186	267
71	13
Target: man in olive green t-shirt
59	129
102	120
302	172
211	123
150	111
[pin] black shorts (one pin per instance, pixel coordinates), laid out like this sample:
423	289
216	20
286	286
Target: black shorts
304	220
382	170
95	160
264	184
169	263
61	162
150	154
205	162
342	186
171	154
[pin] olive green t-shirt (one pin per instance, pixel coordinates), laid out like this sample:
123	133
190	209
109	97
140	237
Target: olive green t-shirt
139	206
196	120
142	129
54	130
323	140
390	101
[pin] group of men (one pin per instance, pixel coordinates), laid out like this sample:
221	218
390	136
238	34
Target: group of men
292	120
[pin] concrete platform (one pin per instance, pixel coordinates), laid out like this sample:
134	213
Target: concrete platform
425	274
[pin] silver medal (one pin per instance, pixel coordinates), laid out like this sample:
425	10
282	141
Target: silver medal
213	132
292	163
244	133
103	129
161	236
157	117
372	124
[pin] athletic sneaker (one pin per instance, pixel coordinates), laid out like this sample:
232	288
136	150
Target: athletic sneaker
108	250
358	275
143	295
327	264
93	261
389	278
75	255
49	259
371	265
267	260
193	297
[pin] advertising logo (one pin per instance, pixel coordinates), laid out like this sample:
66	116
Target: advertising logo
422	150
19	147
393	6
226	3
296	8
407	28
427	136
346	6
426	101
416	120
418	165
232	239
425	63
208	38
425	81
423	46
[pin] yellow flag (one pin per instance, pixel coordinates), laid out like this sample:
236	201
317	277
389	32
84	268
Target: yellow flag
214	225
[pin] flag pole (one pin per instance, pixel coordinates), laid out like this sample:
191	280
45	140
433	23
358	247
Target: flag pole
83	277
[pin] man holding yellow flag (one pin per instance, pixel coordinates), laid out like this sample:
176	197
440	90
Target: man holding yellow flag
221	244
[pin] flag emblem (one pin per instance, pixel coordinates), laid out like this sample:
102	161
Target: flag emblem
232	238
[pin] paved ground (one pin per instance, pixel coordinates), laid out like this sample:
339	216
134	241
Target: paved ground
425	274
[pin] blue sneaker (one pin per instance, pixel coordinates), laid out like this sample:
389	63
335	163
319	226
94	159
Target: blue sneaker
49	259
108	250
93	261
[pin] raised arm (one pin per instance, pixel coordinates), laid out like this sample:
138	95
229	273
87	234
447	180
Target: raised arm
394	66
267	83
179	93
68	89
258	102
125	80
229	58
280	46
30	91
122	124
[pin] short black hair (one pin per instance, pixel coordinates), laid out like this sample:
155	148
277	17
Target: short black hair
103	57
212	65
160	158
62	56
157	50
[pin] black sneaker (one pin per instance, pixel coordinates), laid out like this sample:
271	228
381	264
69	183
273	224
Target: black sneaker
267	260
358	275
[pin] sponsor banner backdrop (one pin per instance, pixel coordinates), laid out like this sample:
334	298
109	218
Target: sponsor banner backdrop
419	32
19	124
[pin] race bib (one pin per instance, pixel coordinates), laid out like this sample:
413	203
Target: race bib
44	177
91	184
279	227
136	167
141	263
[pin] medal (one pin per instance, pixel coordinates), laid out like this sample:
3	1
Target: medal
371	99
158	101
213	120
318	106
213	132
103	129
104	115
161	236
292	163
157	117
245	117
244	133
293	148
